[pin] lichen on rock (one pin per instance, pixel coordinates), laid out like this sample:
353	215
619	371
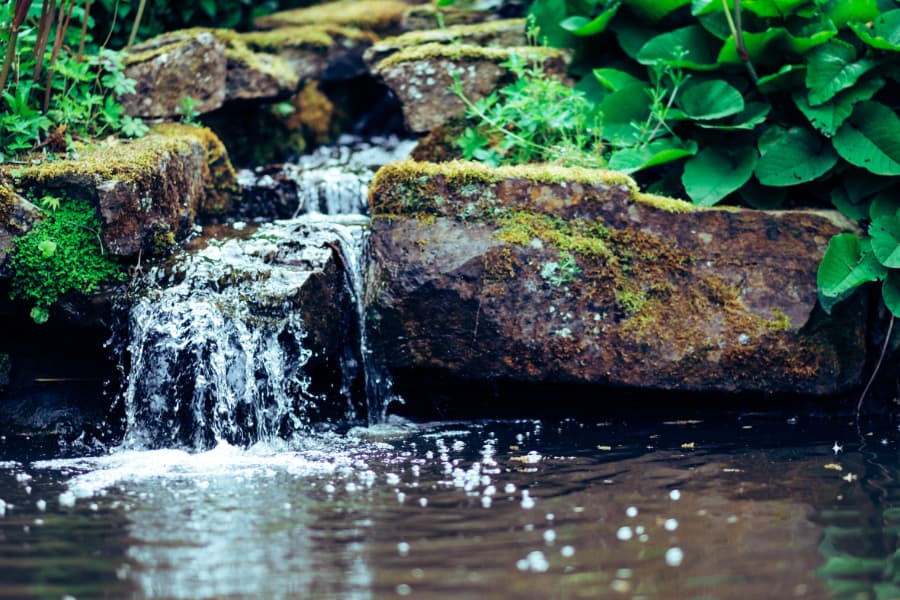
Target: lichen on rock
572	275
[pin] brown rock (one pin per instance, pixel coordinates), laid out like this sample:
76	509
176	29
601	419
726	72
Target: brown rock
380	16
175	66
570	275
148	191
16	218
422	76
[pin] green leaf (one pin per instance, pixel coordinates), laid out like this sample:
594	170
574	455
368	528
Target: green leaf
705	7
851	566
787	77
883	32
890	293
762	197
40	314
841	12
772	45
655	153
614	79
654	10
582	26
772	8
833	67
622	108
712	99
848	263
828	117
884	204
716	172
885	234
753	114
854	191
548	14
870	139
800	156
631	35
47	248
689	47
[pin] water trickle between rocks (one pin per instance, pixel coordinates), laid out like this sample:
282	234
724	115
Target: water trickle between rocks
222	340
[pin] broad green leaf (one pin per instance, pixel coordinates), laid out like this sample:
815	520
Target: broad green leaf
716	24
772	45
47	248
705	7
833	67
883	33
657	152
884	204
890	293
828	117
614	79
712	99
786	78
716	172
799	157
689	47
40	314
631	35
753	114
654	10
870	139
851	566
848	263
622	108
854	190
762	197
548	14
841	12
772	8
582	26
885	234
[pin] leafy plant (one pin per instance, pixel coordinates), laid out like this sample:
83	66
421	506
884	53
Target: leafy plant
61	254
56	95
187	108
535	119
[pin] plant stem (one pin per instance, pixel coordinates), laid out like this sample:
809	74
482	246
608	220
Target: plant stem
884	347
137	23
63	24
43	36
84	28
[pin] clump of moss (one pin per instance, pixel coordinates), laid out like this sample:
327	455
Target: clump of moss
379	15
577	236
61	254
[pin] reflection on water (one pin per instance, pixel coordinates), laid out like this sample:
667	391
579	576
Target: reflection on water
524	509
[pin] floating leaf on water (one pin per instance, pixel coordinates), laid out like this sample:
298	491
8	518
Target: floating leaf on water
604	448
688	445
834	467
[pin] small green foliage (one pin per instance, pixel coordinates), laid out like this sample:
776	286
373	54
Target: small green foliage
535	119
187	108
632	302
61	254
561	272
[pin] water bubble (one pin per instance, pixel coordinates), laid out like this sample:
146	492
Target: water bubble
403	549
536	562
22	477
567	551
38	522
624	573
459	445
509	488
639	529
423	502
527	501
67	499
533	457
350	487
675	495
2	508
631	511
621	586
674	556
486	501
549	536
624	533
550	516
329	488
403	590
392	478
489	490
671	524
94	506
41	505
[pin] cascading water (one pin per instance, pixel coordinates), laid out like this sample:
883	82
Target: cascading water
218	345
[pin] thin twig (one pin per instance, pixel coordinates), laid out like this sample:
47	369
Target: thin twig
884	347
65	16
137	24
43	36
84	28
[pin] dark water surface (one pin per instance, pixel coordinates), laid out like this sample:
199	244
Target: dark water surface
744	507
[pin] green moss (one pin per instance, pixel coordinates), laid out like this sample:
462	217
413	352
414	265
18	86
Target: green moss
578	237
454	33
379	15
463	52
779	321
633	302
61	254
664	203
319	37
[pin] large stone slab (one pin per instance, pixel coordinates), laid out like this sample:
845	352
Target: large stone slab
16	217
421	77
148	191
380	16
568	275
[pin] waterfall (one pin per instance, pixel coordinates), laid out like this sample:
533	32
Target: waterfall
221	340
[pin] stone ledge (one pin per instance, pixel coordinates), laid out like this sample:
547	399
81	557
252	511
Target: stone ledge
558	275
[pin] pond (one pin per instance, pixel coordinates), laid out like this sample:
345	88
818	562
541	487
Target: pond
739	506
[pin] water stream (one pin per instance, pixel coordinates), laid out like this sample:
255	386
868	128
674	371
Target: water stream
230	484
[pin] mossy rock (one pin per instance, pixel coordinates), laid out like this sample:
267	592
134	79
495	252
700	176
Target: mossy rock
16	217
144	189
428	16
380	16
543	273
422	76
